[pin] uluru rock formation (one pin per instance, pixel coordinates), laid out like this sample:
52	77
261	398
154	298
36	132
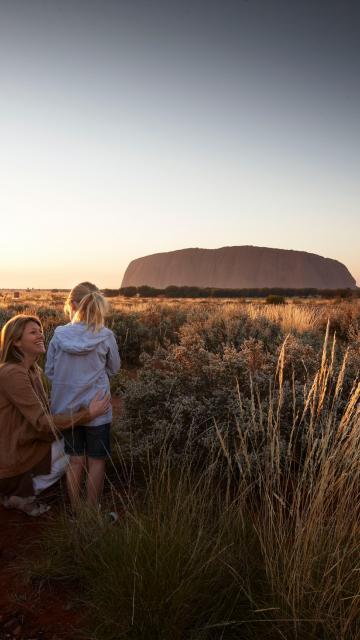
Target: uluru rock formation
238	268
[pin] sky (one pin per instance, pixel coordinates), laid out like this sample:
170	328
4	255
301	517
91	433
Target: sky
131	127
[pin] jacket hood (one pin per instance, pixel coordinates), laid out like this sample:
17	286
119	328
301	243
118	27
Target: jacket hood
78	338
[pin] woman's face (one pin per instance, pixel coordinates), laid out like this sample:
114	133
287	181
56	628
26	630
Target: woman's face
31	342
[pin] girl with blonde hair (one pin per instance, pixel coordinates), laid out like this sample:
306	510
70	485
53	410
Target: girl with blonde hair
81	356
29	434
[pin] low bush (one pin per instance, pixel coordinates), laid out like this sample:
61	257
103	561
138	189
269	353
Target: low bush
273	299
205	378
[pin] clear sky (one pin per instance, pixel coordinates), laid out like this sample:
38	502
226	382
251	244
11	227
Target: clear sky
130	127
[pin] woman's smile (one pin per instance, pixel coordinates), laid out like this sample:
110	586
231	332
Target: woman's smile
32	340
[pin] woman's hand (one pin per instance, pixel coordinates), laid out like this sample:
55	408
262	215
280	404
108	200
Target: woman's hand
99	405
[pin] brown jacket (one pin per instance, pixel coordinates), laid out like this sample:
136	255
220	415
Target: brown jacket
26	425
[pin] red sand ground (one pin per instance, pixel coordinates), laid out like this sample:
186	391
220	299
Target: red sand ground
29	610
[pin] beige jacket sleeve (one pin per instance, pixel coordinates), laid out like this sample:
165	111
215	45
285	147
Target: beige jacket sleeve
21	393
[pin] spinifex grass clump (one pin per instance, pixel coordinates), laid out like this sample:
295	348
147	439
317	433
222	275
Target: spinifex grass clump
306	508
163	571
239	545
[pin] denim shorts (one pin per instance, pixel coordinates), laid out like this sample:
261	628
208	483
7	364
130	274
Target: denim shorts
88	441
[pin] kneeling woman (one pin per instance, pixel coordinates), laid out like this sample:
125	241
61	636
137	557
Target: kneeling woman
27	429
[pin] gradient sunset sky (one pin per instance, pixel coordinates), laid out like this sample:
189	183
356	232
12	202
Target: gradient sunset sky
132	127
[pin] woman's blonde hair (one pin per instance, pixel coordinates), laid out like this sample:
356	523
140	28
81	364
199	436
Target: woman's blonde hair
11	332
86	304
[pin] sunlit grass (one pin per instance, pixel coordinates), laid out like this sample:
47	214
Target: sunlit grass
300	315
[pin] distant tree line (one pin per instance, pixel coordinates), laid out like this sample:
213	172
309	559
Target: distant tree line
173	291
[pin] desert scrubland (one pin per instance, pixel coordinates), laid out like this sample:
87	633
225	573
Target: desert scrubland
235	469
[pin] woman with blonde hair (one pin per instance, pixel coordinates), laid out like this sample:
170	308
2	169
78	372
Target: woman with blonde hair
81	356
28	432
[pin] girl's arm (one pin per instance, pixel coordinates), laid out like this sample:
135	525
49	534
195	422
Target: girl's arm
113	362
50	358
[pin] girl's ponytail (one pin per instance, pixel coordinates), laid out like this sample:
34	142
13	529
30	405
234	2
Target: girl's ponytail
86	304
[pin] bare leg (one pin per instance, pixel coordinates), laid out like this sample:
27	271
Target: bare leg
95	480
74	475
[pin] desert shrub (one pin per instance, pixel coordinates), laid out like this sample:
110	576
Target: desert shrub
5	315
273	299
205	378
146	331
148	292
354	347
131	334
342	317
128	292
17	307
46	312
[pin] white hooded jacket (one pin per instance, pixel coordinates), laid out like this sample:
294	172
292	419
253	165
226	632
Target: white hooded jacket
79	362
